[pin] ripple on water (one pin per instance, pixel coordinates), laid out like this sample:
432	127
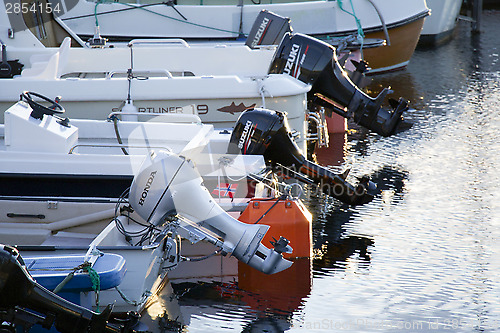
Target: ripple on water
432	257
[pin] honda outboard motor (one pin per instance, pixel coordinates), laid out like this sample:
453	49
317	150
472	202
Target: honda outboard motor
266	132
20	295
169	185
315	62
267	29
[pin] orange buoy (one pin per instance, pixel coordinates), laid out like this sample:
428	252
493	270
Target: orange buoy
286	217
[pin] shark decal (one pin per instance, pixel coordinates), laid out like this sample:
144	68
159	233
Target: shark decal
233	108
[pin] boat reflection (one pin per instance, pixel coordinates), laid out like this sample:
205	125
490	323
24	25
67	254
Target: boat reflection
333	247
341	254
256	302
282	292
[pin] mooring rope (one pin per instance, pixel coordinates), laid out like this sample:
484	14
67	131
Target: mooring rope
361	34
93	275
143	7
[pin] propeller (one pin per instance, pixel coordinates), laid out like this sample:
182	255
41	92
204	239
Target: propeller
281	245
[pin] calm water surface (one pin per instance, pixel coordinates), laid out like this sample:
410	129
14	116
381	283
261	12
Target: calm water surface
424	256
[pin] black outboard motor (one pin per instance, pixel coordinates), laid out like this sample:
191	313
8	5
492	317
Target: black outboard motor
20	295
315	62
9	68
266	132
268	29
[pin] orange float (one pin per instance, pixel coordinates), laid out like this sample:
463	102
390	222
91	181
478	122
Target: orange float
283	291
286	217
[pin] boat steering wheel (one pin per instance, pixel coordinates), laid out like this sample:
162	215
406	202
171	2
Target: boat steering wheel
38	109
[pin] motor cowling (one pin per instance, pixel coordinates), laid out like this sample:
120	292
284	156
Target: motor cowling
315	62
268	29
266	132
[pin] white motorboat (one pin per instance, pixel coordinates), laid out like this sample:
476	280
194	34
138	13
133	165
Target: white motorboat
439	26
399	22
94	90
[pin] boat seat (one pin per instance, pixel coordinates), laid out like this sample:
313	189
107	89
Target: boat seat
48	66
27	236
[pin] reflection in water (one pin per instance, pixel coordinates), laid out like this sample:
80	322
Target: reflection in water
332	248
334	155
280	293
253	303
391	179
340	255
268	324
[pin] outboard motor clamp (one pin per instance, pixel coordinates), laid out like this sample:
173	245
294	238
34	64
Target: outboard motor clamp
266	132
315	62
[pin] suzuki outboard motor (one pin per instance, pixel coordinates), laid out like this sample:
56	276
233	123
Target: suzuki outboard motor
169	185
267	29
315	62
20	295
266	132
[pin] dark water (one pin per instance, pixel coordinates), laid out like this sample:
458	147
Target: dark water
424	256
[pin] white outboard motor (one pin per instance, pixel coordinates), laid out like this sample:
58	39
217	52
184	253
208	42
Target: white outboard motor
168	185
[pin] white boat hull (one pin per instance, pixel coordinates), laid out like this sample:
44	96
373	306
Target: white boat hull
217	101
440	25
231	21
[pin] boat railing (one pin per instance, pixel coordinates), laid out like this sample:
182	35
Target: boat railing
138	73
109	248
163	42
